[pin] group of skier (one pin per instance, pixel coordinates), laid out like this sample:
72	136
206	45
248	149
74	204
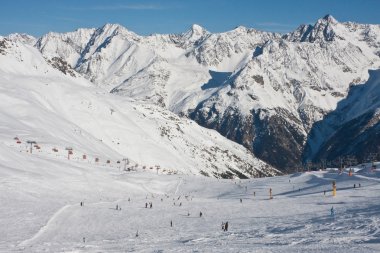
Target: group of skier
150	204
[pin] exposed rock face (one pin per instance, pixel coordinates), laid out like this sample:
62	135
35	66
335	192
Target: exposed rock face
268	137
62	66
358	137
3	45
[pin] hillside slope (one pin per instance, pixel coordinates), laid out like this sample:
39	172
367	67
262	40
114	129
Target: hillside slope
40	103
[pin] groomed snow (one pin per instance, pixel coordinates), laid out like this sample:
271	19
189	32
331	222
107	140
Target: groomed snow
40	210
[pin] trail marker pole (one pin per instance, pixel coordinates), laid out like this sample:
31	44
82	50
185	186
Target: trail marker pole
334	188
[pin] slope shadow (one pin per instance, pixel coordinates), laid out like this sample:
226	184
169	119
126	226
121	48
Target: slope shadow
352	136
217	79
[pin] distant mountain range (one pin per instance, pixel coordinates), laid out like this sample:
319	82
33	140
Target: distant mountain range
307	95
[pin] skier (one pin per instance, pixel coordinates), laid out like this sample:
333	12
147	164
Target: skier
146	205
223	226
151	205
84	239
332	212
180	203
359	185
226	226
137	233
200	214
171	223
81	203
324	192
354	186
117	207
241	201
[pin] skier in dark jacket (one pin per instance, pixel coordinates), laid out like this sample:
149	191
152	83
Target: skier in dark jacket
226	226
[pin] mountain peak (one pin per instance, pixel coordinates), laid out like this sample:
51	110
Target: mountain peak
116	29
197	30
195	33
112	27
324	29
22	37
329	18
240	28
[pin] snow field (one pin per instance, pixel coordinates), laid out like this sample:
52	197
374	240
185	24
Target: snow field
41	210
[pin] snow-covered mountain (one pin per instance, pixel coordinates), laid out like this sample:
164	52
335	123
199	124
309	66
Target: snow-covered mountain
272	102
58	111
263	90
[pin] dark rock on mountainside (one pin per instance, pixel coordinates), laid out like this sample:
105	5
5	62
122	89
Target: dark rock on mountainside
352	129
61	65
271	139
358	137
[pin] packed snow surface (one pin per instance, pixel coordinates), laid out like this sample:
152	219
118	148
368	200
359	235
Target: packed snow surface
40	209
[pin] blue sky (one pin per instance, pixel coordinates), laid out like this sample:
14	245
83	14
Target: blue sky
37	17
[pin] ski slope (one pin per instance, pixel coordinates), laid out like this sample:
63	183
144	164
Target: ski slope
41	211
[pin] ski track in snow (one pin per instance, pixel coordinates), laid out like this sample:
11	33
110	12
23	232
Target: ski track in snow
177	188
46	227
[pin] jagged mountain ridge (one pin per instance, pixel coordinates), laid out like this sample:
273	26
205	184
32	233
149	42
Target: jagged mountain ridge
263	90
